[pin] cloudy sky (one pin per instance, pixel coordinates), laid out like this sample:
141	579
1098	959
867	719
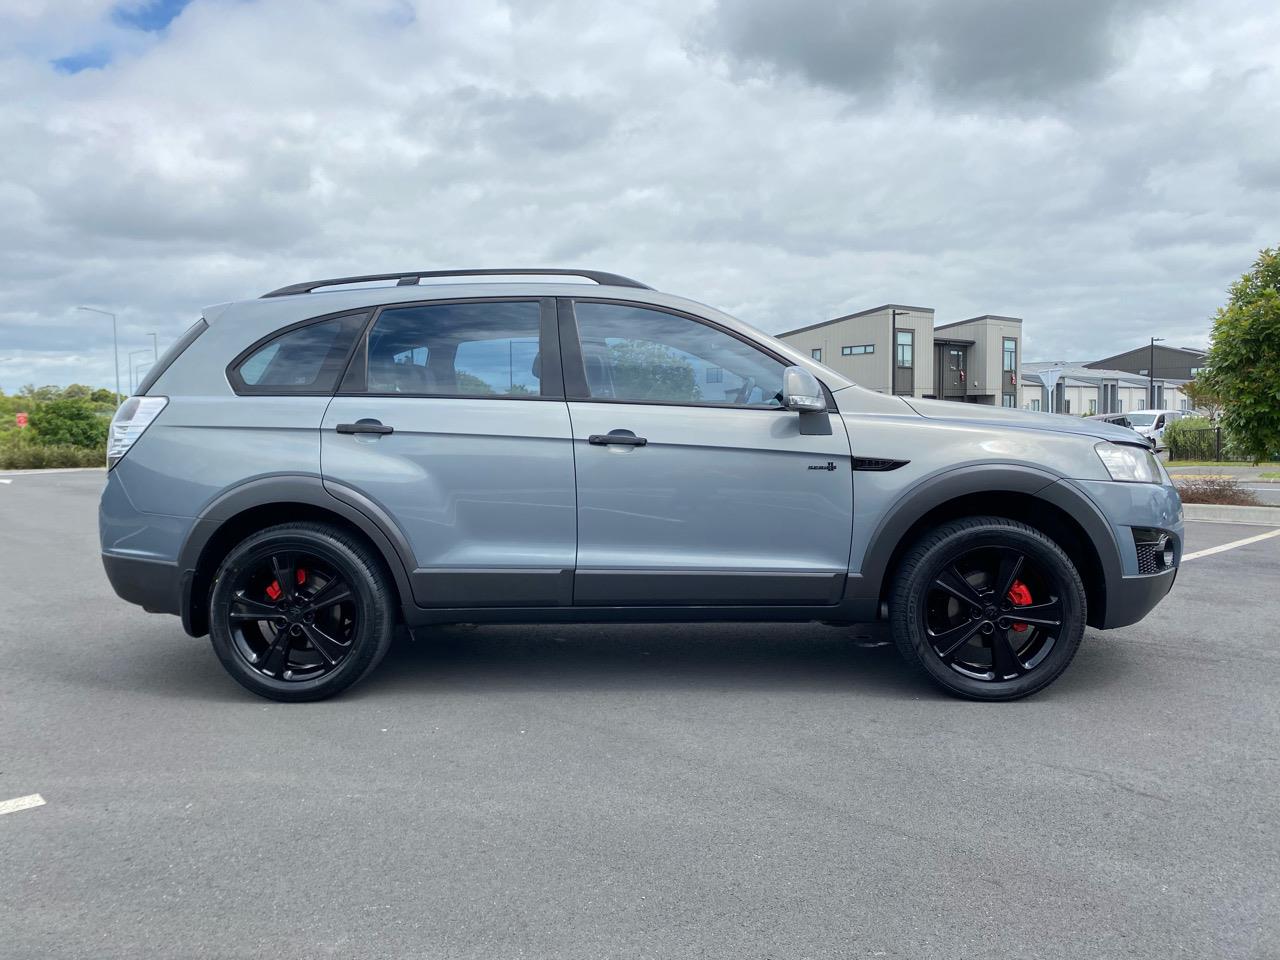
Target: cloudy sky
1101	169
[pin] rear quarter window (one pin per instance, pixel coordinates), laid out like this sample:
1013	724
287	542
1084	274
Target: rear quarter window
307	358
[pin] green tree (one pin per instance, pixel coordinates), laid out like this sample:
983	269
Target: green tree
103	396
68	421
645	370
1203	397
1244	360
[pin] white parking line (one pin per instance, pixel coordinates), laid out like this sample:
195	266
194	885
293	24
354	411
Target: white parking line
1230	546
21	803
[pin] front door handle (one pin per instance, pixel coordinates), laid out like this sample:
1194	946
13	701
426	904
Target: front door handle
365	426
627	439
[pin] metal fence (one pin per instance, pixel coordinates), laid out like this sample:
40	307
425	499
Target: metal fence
1207	443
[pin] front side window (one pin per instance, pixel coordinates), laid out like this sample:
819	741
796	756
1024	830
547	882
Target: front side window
905	345
1010	355
642	355
816	353
483	349
306	359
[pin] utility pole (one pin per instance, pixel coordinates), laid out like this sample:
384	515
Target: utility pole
132	368
1151	374
115	345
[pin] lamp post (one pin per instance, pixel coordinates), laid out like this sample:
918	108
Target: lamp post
155	347
132	354
115	344
1151	374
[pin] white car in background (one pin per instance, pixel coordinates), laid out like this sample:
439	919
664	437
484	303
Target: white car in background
1152	423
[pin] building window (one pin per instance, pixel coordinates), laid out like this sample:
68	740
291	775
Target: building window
816	353
1010	355
858	350
1034	405
1066	406
1093	407
905	348
1008	400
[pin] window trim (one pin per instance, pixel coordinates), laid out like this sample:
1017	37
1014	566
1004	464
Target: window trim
243	389
1004	352
575	373
867	349
355	379
897	346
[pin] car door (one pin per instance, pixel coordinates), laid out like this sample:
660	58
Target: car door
694	485
452	420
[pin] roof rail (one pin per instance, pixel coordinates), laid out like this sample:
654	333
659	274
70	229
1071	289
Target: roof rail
412	278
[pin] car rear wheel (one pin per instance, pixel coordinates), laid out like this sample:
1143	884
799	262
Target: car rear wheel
301	611
988	608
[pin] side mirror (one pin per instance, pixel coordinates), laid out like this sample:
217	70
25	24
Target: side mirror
802	392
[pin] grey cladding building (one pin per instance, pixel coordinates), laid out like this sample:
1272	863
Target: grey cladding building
896	349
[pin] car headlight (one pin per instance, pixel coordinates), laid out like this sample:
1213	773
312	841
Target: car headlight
1129	463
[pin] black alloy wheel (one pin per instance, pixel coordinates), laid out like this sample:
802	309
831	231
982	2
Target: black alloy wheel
301	611
292	616
989	608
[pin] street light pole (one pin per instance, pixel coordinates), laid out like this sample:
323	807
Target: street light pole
155	347
115	345
1151	373
132	368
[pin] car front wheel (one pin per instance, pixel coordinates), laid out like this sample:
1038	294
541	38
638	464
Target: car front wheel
988	608
300	611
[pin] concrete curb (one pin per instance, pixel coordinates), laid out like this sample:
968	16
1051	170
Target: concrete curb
1225	514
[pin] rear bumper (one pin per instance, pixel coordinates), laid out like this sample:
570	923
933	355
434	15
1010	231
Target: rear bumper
152	584
1129	599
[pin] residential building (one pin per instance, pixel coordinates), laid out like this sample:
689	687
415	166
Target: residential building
1083	390
896	349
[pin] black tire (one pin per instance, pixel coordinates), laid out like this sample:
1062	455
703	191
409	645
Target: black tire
266	642
943	626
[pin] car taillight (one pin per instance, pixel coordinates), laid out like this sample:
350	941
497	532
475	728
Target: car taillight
133	417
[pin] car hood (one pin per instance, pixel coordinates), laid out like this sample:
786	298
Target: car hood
982	415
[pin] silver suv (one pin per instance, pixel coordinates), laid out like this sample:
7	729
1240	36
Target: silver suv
303	474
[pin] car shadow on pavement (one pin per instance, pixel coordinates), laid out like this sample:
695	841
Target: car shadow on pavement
641	657
572	659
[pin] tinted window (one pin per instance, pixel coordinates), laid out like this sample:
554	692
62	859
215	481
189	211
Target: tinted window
457	349
905	347
306	359
632	353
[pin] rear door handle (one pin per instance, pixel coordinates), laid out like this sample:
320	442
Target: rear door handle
365	426
624	439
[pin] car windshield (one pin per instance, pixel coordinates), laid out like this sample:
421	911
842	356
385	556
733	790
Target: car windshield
1142	419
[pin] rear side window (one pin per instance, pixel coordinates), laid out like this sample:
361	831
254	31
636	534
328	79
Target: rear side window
480	349
304	359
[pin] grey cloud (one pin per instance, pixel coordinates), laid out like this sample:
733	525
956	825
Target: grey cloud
970	51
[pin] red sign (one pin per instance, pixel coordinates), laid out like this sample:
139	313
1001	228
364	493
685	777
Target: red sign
21	419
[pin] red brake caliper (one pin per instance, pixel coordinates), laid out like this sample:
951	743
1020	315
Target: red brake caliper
1019	596
273	591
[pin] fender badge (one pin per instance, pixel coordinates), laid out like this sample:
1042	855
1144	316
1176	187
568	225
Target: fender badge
829	465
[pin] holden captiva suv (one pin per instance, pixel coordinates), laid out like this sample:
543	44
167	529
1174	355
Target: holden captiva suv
304	474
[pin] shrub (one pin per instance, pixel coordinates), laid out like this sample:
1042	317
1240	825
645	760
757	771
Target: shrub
68	422
1191	438
32	456
1216	490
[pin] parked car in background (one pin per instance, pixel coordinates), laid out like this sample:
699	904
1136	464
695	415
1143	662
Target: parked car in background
1121	420
1152	423
304	473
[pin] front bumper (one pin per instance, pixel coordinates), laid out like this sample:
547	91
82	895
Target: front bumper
1129	599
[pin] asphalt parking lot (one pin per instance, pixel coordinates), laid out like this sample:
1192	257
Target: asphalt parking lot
647	791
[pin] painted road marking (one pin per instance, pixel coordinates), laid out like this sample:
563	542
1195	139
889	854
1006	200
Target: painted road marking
1230	546
21	803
